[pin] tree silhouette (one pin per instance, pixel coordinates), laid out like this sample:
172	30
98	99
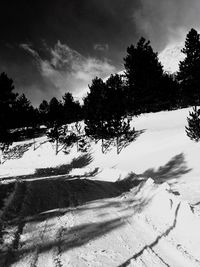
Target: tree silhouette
144	74
62	138
55	116
71	109
106	110
169	94
23	112
95	104
117	95
55	120
43	112
7	99
5	140
189	70
117	123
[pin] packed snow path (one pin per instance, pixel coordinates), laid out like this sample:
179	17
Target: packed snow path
76	222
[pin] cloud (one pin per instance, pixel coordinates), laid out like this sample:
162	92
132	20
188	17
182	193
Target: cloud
28	48
67	70
101	47
166	21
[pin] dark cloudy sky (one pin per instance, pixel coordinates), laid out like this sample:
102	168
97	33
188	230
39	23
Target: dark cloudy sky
50	47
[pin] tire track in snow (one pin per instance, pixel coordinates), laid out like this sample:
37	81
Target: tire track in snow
163	248
21	197
57	257
160	258
38	248
65	222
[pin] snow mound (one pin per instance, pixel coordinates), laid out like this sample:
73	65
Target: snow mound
170	217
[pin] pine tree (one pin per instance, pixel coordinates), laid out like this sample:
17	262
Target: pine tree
59	114
68	106
169	93
189	70
55	116
117	123
193	129
116	94
43	112
23	112
55	120
95	109
7	99
106	109
71	109
143	73
62	138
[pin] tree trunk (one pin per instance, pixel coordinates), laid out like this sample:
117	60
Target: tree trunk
34	145
102	144
77	145
1	156
56	146
117	143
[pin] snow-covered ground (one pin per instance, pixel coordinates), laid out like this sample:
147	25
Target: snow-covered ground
137	208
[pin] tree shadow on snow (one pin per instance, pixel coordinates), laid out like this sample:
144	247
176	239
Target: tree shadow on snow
124	141
39	144
76	163
16	152
173	169
69	238
64	169
127	139
47	199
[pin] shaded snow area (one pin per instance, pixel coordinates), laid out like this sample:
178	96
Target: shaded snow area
137	208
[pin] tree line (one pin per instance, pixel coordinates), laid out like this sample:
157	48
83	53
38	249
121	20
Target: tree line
106	110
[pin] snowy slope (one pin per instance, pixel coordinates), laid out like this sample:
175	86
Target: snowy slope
171	56
138	208
163	144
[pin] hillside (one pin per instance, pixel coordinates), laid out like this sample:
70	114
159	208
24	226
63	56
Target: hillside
138	208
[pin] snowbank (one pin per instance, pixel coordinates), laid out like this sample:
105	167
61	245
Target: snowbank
172	219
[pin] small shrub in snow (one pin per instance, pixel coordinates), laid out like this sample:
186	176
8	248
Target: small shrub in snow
193	129
62	138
